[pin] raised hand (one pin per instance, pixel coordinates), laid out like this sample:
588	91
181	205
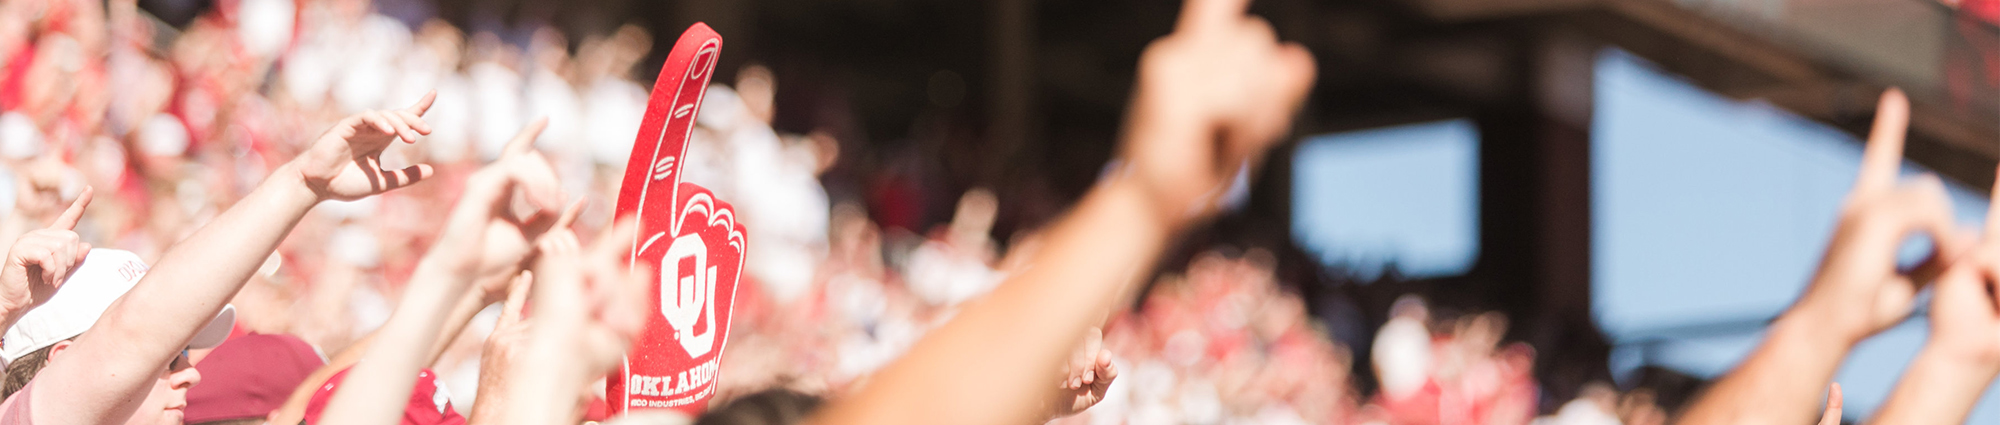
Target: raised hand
345	163
1211	97
1087	376
1965	320
1858	290
503	347
511	232
41	260
486	229
588	307
588	301
38	190
1965	312
1963	354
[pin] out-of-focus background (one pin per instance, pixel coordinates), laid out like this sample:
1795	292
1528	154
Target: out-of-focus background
1494	210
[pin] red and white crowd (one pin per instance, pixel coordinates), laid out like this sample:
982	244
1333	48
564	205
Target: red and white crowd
171	127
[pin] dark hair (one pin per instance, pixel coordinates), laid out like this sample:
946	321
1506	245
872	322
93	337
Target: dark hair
23	369
777	406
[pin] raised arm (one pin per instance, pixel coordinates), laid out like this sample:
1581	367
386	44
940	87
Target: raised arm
1857	291
482	237
1963	354
1211	97
104	376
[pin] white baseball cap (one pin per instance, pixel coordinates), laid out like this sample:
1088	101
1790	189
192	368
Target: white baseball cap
103	277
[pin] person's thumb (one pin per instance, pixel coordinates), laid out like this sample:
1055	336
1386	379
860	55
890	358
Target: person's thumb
1833	405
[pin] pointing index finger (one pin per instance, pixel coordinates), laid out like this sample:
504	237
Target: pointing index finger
1198	14
423	105
517	298
1883	157
525	140
69	217
1833	406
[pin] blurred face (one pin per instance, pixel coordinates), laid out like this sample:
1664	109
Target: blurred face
166	403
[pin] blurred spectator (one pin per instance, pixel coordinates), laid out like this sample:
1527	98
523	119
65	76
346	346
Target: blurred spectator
172	135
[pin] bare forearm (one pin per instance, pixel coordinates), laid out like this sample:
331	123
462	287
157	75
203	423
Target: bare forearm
547	378
1938	388
141	332
469	304
383	380
201	273
1781	381
972	370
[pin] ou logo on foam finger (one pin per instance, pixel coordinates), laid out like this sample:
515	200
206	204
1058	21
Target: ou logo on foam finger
689	301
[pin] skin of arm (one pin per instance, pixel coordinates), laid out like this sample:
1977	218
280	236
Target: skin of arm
108	372
1856	292
1962	356
481	222
1211	98
1941	387
469	305
1110	227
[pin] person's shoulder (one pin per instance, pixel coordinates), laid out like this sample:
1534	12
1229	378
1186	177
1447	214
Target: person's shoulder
14	411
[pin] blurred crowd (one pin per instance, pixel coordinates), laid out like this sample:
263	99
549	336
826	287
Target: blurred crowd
172	126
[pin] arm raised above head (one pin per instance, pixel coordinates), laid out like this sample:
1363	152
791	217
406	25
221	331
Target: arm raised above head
1211	98
1856	292
1962	356
110	369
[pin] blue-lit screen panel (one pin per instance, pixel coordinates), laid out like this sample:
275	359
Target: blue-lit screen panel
1406	196
1708	210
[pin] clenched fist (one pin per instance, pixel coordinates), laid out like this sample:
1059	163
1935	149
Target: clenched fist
1211	98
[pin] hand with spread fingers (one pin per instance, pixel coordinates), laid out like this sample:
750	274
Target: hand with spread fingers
1857	291
345	163
508	243
487	228
40	261
484	237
